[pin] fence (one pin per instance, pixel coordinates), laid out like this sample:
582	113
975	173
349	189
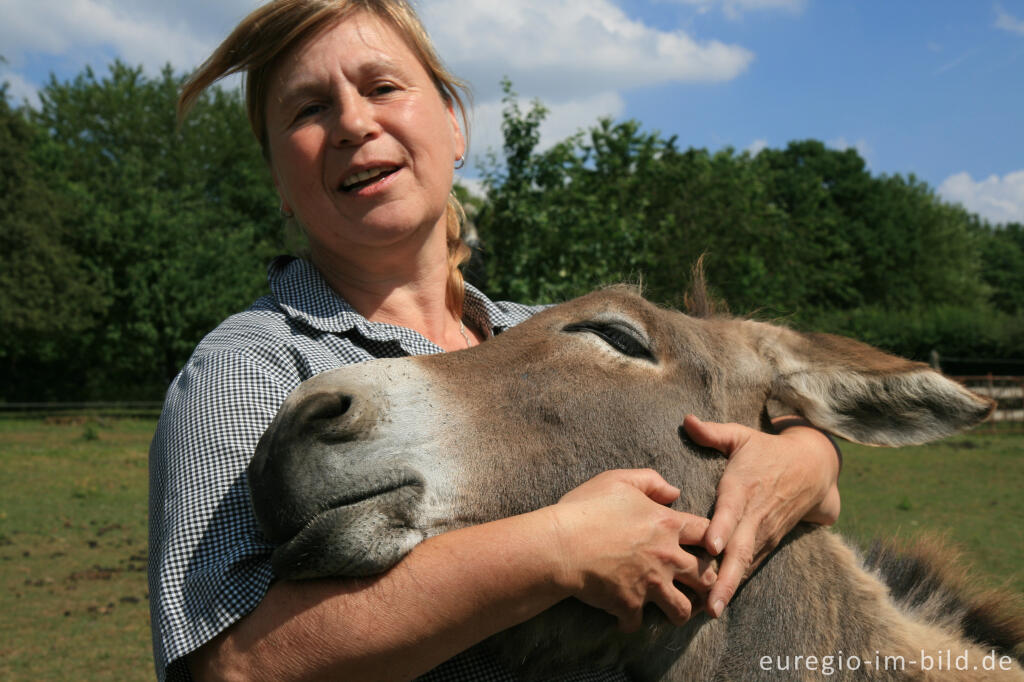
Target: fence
1008	392
89	409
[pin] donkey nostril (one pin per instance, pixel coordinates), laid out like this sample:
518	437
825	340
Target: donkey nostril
327	406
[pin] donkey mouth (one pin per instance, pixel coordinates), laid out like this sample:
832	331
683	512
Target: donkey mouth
370	495
356	535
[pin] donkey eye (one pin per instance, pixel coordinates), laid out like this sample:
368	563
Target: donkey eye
622	338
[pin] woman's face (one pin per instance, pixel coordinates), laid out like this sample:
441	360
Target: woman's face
362	145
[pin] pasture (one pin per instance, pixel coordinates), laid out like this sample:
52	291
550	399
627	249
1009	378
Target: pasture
73	594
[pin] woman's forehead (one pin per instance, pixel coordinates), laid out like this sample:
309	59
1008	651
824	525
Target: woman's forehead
353	42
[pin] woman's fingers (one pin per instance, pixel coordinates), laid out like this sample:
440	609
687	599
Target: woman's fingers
649	482
769	484
692	529
677	605
624	544
725	438
731	503
674	604
695	569
736	563
730	508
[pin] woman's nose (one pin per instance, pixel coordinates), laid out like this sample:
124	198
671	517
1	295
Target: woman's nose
356	121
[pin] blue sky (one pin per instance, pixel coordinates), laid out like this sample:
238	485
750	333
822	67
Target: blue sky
930	87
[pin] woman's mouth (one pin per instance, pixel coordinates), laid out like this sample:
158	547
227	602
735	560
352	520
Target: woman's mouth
365	178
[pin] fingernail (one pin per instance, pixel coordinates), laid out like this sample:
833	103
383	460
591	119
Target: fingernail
717	609
717	544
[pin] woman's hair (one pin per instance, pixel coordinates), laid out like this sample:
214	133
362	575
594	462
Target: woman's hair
258	43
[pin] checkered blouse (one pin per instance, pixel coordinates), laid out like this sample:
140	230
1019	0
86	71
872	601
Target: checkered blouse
209	564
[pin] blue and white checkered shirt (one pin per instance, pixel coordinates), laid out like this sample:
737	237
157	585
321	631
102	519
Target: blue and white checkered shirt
209	564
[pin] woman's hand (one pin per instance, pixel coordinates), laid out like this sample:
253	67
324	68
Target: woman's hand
770	484
621	546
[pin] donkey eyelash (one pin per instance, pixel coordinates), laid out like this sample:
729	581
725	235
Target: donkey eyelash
621	337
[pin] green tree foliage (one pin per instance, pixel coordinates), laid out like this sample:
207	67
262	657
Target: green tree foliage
50	296
806	233
1003	249
955	330
174	224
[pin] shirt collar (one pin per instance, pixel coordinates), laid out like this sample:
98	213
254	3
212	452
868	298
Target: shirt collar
305	296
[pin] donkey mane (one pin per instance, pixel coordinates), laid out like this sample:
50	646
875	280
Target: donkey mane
927	576
697	301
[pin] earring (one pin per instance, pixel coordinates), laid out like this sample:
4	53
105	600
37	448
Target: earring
460	162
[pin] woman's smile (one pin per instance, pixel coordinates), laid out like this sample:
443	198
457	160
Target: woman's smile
367	179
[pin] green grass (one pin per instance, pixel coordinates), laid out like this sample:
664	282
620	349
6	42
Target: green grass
968	489
73	595
73	509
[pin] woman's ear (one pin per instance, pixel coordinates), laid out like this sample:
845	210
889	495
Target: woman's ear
460	139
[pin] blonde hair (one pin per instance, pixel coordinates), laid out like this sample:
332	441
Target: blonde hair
257	45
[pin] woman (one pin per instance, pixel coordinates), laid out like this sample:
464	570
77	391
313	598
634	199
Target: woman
358	121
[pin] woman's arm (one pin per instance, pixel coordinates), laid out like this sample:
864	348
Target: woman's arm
611	542
772	482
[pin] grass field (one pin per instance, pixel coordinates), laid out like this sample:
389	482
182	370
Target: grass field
73	596
969	488
73	550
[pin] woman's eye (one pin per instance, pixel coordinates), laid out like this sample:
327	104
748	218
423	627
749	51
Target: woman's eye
620	337
310	110
383	89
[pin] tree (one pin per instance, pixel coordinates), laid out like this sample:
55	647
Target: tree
176	223
51	297
1003	254
560	222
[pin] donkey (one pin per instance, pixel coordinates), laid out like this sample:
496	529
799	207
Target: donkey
364	462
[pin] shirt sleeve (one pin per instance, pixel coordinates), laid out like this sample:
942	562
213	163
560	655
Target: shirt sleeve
209	562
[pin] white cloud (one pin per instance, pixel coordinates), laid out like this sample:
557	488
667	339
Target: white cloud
475	186
563	119
19	89
1008	22
90	31
998	199
577	56
950	65
564	49
734	9
757	146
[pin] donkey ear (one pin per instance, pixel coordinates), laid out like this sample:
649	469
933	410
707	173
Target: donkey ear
863	394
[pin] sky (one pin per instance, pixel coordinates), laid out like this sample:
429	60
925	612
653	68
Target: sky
933	88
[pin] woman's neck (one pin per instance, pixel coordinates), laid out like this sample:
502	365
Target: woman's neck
400	286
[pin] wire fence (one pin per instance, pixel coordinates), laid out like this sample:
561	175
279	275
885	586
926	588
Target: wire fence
70	411
1007	391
